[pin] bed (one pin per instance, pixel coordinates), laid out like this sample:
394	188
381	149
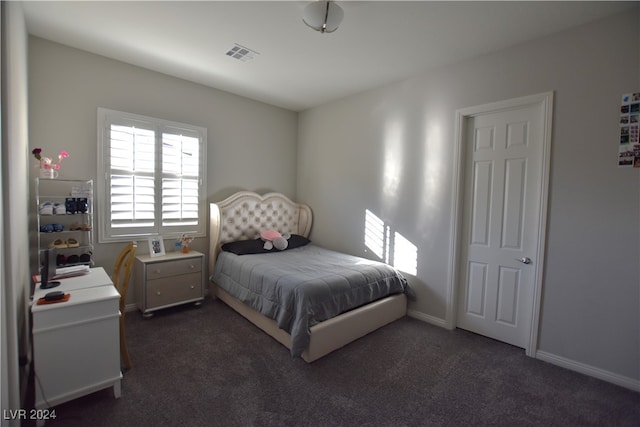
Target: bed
323	299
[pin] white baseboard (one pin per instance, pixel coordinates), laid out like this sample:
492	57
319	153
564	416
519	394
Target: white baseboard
563	362
426	318
591	371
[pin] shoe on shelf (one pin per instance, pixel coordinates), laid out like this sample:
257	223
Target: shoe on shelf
70	205
72	243
59	209
73	259
82	206
80	227
86	257
61	260
46	208
46	228
58	227
59	243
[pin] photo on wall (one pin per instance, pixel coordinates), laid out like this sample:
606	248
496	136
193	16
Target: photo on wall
628	142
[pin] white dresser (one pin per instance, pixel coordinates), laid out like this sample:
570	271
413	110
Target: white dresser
76	343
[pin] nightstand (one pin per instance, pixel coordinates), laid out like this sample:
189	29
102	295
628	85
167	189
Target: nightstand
168	280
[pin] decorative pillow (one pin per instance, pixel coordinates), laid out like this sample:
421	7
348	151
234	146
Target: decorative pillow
244	247
248	247
295	241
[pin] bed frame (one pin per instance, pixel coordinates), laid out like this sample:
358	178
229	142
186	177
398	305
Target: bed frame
243	216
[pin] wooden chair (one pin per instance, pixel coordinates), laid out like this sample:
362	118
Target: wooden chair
120	278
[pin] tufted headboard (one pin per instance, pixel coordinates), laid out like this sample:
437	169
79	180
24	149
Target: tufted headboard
245	214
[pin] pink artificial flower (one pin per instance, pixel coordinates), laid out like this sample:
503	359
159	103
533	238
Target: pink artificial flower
46	162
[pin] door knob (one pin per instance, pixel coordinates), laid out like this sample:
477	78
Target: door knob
524	260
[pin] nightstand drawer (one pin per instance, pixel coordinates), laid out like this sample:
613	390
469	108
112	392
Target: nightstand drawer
168	290
179	267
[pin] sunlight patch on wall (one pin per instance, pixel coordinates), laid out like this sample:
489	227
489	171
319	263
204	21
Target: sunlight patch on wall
435	184
405	254
434	165
393	164
374	235
390	247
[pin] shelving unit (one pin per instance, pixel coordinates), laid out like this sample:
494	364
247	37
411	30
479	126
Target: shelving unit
70	232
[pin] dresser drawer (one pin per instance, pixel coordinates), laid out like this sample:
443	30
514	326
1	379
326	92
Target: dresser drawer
170	290
177	267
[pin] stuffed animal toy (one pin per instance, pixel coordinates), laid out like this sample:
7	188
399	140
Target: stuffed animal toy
273	239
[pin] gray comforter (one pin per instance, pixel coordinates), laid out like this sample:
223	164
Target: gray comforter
303	286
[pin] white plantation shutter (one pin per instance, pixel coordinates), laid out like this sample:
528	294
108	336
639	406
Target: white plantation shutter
154	177
180	178
132	166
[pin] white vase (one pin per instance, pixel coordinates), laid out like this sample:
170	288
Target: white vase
48	173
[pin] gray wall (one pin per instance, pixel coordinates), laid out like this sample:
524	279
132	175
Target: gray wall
15	277
251	145
390	150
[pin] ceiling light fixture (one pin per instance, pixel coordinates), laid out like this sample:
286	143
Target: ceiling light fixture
323	16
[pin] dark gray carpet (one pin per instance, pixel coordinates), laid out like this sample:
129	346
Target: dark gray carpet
211	367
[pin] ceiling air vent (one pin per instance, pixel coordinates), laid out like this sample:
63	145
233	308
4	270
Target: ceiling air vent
241	53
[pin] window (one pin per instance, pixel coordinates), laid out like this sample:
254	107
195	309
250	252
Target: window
154	177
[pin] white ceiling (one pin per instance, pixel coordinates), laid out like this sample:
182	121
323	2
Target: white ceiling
377	43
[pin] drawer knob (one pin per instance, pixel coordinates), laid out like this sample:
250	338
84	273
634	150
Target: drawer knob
191	266
158	293
158	271
193	287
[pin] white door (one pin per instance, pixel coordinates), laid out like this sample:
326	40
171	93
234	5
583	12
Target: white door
502	220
